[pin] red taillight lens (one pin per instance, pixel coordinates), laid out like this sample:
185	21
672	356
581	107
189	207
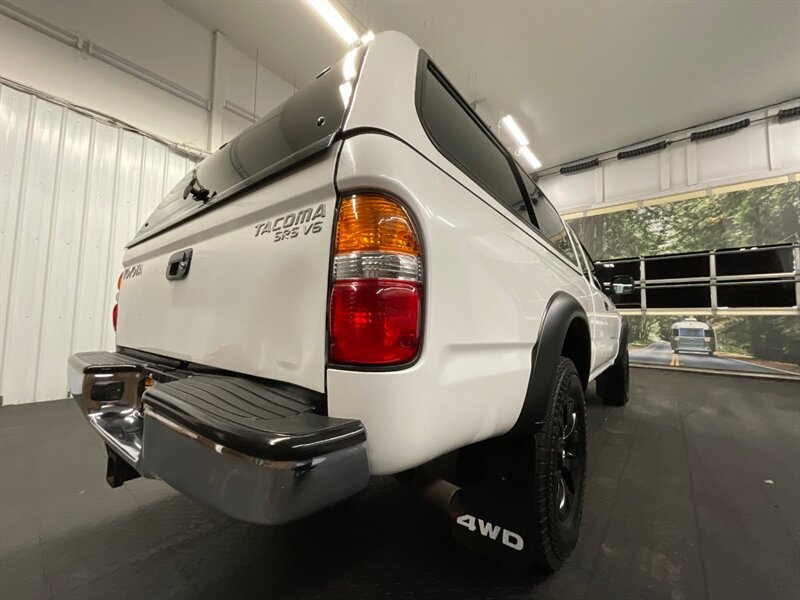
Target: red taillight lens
376	297
374	321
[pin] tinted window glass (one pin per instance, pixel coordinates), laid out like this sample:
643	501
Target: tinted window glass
551	225
583	263
586	264
462	140
304	124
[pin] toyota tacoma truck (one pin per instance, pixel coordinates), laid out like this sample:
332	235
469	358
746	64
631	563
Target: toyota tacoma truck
362	283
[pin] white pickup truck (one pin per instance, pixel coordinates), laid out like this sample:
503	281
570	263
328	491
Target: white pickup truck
362	283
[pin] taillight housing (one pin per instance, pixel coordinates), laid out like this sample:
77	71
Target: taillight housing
376	294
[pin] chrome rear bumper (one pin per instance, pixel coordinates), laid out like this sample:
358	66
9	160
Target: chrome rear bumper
272	470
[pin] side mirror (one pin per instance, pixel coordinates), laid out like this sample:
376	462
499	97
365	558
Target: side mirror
622	284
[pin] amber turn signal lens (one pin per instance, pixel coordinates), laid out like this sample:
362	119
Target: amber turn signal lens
119	280
368	222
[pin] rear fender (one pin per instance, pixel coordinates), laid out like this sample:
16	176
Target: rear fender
564	321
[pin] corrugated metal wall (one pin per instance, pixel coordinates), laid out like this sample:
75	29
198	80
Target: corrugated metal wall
73	191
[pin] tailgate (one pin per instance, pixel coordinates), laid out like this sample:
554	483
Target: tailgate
254	297
253	222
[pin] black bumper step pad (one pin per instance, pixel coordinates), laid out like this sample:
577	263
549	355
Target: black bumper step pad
272	421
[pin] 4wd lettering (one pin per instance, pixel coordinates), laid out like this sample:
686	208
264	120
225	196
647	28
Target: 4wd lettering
289	226
133	271
486	529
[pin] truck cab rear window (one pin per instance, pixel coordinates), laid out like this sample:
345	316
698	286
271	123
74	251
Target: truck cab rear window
461	138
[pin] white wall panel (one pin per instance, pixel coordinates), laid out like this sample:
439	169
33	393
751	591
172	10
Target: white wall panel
73	192
239	77
233	124
677	165
30	253
15	111
35	60
93	283
622	179
764	150
61	280
155	157
159	42
784	144
570	191
715	161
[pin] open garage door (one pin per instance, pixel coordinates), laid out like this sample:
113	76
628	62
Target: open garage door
718	278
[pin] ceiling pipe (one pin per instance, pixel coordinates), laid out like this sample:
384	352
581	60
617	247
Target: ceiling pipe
102	54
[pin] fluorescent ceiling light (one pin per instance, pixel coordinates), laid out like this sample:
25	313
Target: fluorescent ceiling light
510	124
530	157
335	20
367	37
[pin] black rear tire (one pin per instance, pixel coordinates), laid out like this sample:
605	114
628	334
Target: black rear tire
530	483
559	483
613	386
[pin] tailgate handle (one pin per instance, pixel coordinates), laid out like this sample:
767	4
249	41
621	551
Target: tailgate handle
178	265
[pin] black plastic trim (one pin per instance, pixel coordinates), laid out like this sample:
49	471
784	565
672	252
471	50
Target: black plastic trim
589	164
261	418
149	357
179	264
788	113
254	419
623	338
641	150
721	130
562	310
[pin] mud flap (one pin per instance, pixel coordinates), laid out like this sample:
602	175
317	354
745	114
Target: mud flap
497	526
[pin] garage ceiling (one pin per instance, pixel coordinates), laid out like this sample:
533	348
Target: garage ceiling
579	77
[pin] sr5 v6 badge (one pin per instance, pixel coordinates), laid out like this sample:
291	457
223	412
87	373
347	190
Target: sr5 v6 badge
305	222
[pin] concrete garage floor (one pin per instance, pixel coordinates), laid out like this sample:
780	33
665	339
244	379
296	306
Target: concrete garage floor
694	491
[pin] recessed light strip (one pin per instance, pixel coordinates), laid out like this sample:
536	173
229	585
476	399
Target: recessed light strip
335	20
530	157
514	129
516	132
